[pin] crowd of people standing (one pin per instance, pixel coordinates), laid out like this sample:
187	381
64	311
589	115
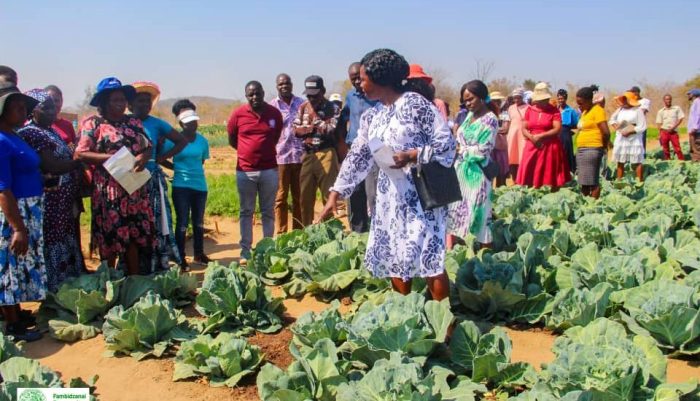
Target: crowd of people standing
294	149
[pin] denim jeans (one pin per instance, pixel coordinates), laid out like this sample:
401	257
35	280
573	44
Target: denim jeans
254	185
186	201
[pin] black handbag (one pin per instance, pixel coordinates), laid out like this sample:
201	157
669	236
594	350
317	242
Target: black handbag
436	184
491	170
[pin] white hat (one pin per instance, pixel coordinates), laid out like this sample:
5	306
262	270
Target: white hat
188	116
541	92
335	97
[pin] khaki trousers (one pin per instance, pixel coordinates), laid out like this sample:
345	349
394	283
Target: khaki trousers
318	172
289	181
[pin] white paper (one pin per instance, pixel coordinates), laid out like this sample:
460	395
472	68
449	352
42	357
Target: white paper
384	157
121	167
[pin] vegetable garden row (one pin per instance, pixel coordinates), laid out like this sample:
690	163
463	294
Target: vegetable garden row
618	278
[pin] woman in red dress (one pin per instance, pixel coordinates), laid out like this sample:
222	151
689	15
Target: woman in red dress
543	162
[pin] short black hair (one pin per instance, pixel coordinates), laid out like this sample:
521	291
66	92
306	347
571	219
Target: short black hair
635	89
257	84
563	93
587	92
183	104
385	67
421	87
7	71
54	88
354	64
461	93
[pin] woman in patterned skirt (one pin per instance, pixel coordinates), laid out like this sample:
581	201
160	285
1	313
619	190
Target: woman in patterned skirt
405	241
122	224
22	271
476	137
62	192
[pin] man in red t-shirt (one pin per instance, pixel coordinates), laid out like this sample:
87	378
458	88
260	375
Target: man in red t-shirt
63	127
254	130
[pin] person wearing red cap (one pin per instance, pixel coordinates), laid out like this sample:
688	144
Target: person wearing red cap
417	72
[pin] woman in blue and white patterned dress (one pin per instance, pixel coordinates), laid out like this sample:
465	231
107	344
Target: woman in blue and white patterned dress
405	241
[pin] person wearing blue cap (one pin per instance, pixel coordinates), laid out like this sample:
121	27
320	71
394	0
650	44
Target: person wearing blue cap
694	124
122	224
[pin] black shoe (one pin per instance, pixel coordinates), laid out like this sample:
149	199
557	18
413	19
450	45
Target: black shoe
26	318
21	333
202	258
184	267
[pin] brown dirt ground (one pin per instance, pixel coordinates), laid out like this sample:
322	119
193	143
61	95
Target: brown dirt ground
125	379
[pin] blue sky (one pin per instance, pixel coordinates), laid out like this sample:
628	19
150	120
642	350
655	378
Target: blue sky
214	47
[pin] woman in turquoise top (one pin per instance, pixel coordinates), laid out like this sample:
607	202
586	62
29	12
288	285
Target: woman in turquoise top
569	121
147	94
189	182
476	137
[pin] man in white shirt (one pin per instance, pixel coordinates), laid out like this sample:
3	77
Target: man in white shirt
667	120
645	106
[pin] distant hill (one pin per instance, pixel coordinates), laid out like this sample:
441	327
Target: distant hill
211	110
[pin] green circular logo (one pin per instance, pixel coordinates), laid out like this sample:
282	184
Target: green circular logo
31	395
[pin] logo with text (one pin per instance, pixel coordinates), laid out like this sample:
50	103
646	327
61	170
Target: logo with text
53	394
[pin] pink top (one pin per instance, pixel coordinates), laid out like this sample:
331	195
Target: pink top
441	106
516	140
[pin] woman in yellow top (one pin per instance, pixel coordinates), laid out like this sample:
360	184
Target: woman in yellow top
592	142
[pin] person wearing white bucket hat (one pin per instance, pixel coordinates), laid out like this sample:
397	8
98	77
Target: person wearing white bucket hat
189	183
543	162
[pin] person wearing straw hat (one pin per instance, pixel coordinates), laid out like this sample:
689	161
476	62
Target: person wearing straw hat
147	95
189	182
62	185
500	149
629	124
543	163
516	139
22	266
122	223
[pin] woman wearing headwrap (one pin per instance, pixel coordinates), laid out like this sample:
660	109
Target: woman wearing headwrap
543	162
22	270
122	224
592	141
62	179
629	123
516	140
569	121
405	241
477	138
147	94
